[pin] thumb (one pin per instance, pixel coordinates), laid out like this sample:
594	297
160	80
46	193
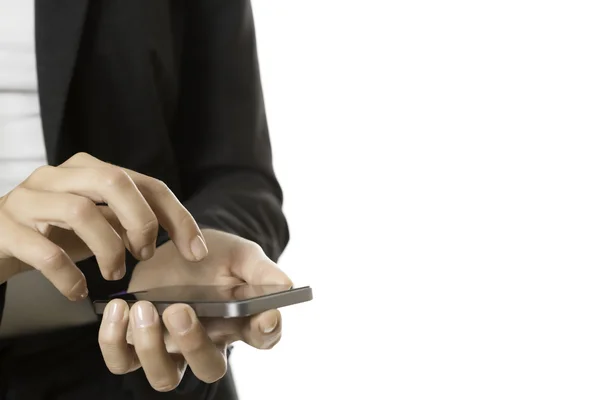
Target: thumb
260	271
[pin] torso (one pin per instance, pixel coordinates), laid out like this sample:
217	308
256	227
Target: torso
108	80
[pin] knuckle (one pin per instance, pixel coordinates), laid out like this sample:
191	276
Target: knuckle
143	346
158	187
53	260
38	175
107	341
116	178
18	193
80	157
252	248
190	343
150	226
81	209
185	218
15	196
41	171
147	229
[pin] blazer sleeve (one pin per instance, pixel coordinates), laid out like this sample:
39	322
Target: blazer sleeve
221	137
2	299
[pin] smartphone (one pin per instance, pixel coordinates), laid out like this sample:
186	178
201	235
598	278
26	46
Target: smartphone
216	301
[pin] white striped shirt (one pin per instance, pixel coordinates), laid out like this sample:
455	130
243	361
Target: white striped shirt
21	139
32	304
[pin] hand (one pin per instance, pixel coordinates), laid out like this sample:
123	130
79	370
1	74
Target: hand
52	220
130	339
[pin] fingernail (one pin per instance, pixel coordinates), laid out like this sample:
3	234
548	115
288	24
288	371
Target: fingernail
270	328
181	321
199	248
79	291
145	315
147	252
116	312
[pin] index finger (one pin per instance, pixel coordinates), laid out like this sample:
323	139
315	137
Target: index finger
172	216
170	213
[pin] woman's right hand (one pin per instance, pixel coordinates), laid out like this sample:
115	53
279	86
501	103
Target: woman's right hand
52	220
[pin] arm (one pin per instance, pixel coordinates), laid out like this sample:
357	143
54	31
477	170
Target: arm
222	138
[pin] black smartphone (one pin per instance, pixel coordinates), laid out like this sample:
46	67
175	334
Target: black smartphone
216	301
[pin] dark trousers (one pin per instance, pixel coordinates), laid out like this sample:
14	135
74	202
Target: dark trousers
70	367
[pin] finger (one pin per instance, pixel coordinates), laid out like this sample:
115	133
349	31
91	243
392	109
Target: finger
119	357
112	218
263	331
255	268
207	362
224	330
171	214
37	251
110	185
31	207
161	370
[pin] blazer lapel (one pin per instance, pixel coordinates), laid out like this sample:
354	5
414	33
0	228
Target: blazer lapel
59	26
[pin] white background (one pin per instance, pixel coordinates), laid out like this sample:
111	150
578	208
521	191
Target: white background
441	162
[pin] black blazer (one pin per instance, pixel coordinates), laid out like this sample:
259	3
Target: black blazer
169	88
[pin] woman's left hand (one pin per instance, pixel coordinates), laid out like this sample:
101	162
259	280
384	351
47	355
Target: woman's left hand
138	337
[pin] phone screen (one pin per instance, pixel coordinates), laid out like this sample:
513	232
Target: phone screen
206	294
